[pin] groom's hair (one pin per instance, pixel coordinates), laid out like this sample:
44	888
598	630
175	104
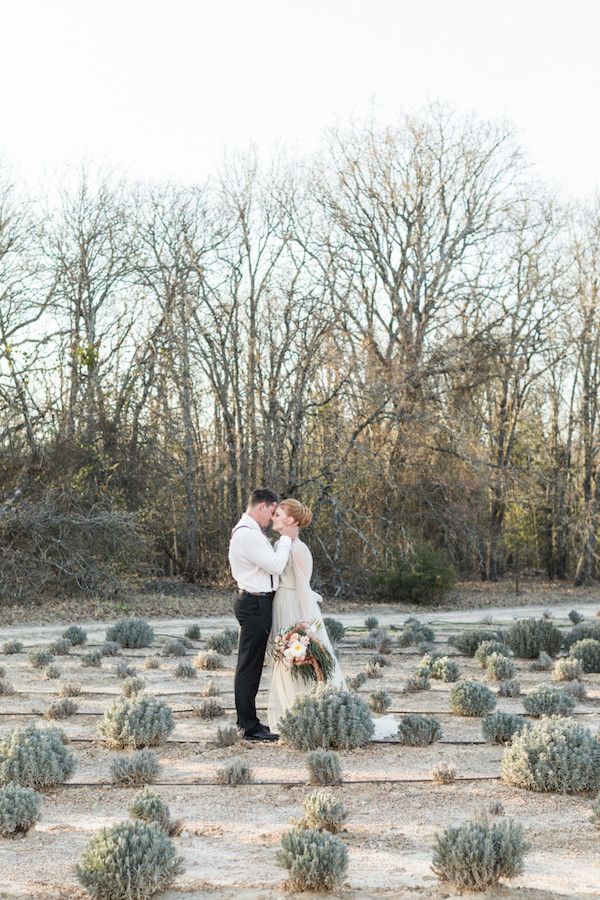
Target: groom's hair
262	495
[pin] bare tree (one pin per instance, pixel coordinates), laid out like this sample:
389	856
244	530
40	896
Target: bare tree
177	232
26	289
90	248
587	258
400	331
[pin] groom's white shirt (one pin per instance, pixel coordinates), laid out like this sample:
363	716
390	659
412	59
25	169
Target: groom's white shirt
252	558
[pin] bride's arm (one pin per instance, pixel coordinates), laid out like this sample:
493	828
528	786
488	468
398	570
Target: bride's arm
303	564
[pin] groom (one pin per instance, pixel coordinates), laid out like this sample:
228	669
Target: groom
256	568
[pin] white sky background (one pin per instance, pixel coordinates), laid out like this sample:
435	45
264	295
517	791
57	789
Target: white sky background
160	89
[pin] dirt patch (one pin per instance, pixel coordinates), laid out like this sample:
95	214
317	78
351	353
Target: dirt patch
189	601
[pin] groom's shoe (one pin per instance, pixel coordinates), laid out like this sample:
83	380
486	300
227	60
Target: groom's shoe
261	735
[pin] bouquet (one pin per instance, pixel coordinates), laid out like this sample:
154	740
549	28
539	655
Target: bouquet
304	656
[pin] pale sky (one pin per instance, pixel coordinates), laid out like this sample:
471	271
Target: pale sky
160	89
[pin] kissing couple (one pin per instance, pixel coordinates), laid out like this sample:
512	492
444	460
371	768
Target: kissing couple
274	594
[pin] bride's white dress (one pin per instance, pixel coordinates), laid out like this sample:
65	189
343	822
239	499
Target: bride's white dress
295	601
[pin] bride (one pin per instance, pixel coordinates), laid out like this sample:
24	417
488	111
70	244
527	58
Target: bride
295	601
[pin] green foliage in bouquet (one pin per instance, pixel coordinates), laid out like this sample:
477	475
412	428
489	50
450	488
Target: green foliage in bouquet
317	656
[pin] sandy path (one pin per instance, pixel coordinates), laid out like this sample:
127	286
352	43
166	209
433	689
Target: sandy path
33	634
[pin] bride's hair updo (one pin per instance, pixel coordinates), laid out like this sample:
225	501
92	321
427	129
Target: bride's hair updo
301	515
